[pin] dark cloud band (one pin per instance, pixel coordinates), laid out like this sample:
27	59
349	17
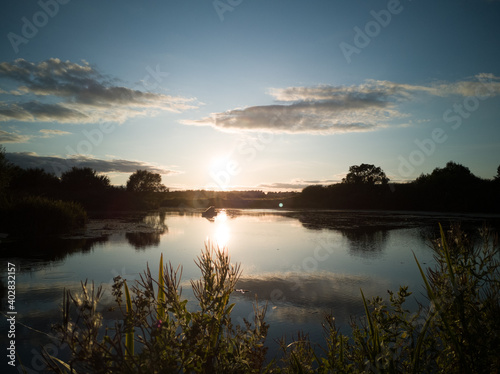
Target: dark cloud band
57	165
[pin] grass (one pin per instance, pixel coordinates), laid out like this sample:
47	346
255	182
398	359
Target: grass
457	332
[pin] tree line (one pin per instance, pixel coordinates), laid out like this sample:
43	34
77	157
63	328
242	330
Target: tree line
80	184
453	188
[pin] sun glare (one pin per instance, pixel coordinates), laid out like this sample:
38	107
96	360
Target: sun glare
218	163
222	231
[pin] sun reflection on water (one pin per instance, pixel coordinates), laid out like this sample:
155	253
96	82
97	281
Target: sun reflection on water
222	231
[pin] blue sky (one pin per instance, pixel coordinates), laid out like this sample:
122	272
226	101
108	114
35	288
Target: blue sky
240	94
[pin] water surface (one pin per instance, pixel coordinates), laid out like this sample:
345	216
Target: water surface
303	264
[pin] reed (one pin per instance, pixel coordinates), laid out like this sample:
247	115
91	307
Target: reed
161	293
129	335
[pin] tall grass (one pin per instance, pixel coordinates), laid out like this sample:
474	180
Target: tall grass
32	216
457	332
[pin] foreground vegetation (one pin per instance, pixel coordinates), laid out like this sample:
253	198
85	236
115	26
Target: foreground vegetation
457	332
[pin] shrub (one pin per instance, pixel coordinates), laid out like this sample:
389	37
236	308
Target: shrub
32	216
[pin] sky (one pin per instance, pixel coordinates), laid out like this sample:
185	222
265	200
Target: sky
250	94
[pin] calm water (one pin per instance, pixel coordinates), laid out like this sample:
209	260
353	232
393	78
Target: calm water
304	264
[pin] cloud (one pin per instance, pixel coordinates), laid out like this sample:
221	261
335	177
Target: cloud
330	109
57	165
10	137
49	133
68	92
314	111
297	184
14	137
483	84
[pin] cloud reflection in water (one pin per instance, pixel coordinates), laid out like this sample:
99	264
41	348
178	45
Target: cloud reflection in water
295	297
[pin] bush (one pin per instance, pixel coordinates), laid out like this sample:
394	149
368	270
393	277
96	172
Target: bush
458	332
33	216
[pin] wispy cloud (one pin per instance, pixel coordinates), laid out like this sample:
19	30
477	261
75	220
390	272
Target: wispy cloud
16	137
330	109
49	133
69	92
11	137
55	164
483	84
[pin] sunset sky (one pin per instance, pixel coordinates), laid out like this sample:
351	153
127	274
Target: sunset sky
251	94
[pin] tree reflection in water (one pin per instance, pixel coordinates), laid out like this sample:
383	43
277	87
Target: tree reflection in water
141	240
366	241
32	255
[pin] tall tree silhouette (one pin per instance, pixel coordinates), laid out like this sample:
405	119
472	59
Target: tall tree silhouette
84	179
145	181
365	174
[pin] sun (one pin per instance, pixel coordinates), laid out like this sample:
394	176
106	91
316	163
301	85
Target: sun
218	163
222	169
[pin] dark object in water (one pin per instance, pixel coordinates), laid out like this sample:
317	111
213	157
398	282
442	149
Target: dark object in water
209	213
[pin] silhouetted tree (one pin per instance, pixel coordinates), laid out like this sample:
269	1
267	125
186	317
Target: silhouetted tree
5	171
84	179
452	174
497	177
365	174
145	181
315	194
34	181
452	188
